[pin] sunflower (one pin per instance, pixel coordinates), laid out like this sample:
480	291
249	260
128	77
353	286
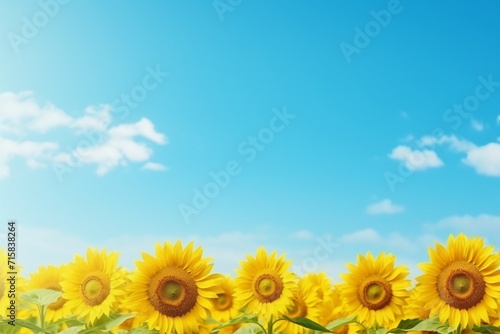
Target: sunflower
225	307
462	282
93	286
330	298
375	290
172	291
415	307
306	304
264	285
332	307
50	277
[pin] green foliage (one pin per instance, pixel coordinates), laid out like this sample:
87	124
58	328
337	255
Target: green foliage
307	323
242	319
40	297
341	322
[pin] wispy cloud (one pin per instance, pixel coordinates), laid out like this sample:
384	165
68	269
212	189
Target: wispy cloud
366	235
154	167
302	235
485	224
484	159
102	143
385	206
418	160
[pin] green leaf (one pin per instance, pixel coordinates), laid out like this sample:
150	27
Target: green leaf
429	325
242	319
249	329
408	324
486	329
72	330
5	328
70	321
341	322
40	297
307	323
143	330
30	325
377	331
106	323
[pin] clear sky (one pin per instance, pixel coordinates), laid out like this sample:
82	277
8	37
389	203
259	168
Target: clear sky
320	130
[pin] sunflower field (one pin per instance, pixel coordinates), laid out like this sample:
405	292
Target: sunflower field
175	291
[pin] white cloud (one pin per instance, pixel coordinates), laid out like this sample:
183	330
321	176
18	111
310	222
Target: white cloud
117	147
154	167
95	118
102	144
384	207
32	152
408	138
455	143
142	128
366	235
416	159
302	235
477	125
19	112
485	159
486	226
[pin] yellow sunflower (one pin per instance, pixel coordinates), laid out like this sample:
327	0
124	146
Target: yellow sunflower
264	285
93	286
50	277
375	290
306	304
225	306
332	307
172	291
415	307
461	283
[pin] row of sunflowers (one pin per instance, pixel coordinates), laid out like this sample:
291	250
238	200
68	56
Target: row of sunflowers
175	291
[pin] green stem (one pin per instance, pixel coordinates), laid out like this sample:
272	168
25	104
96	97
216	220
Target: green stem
364	327
263	329
41	312
270	326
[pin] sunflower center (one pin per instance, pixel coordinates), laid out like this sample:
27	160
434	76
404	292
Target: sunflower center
461	285
172	292
297	310
2	289
95	289
223	302
267	287
375	293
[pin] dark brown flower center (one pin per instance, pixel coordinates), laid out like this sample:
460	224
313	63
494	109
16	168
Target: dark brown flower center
223	302
173	292
267	287
375	293
95	289
461	285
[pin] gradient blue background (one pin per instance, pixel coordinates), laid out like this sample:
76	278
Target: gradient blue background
314	180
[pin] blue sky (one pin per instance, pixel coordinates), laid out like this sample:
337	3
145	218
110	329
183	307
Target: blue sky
334	128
